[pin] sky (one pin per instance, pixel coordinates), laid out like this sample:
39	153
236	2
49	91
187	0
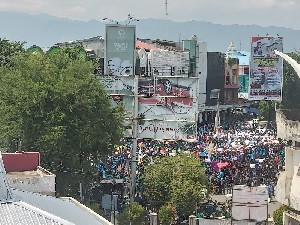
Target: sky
282	13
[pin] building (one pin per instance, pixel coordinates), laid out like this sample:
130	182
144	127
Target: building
231	76
287	190
97	44
24	207
25	173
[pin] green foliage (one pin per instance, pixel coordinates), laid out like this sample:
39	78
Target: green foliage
180	179
291	91
278	214
55	105
133	214
267	110
167	214
8	49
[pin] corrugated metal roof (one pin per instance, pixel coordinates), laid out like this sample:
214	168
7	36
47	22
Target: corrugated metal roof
14	214
64	209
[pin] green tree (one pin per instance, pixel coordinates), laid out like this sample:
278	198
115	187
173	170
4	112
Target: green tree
133	214
278	214
180	179
58	108
8	49
267	110
291	91
167	214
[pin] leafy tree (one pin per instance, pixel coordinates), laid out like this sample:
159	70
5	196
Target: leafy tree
8	49
290	92
58	108
180	179
133	214
278	214
167	214
267	110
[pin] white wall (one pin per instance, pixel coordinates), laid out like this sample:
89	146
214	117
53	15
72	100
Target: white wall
202	68
44	184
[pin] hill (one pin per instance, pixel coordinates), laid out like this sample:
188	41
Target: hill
45	31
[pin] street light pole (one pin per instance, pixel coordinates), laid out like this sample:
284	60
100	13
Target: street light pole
134	137
217	118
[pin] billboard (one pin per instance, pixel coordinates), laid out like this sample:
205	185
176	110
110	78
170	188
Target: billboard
166	63
250	203
120	88
168	98
120	50
175	130
266	69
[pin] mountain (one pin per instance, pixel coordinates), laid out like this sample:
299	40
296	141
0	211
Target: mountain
45	30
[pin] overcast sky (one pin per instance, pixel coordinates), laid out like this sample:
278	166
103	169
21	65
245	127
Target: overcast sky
283	13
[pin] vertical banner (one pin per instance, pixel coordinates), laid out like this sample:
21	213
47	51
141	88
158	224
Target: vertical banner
266	69
120	50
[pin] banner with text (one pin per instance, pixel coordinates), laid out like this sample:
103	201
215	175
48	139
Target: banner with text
120	50
168	130
169	98
266	69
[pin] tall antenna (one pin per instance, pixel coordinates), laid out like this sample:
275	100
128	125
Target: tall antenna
166	19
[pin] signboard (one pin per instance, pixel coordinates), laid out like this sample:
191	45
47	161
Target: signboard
166	63
120	50
121	90
174	130
250	203
168	98
266	69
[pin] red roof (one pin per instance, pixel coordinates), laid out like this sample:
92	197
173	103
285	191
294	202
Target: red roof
139	44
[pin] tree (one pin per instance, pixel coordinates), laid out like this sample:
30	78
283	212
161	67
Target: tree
278	214
267	110
55	105
167	214
8	49
133	214
180	179
290	92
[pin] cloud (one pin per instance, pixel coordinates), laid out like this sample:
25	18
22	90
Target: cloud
260	12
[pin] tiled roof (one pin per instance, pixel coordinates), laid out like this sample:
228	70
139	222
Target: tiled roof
140	44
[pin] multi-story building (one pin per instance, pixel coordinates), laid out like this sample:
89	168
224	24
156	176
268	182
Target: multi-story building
171	83
231	76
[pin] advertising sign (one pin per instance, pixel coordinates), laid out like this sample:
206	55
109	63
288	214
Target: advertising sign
120	50
120	88
166	63
168	130
266	69
168	98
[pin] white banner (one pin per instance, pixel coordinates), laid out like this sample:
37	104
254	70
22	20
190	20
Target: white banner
266	69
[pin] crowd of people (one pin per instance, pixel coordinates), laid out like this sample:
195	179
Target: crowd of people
242	154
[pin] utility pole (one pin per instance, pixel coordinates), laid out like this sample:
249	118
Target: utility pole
134	137
166	19
217	118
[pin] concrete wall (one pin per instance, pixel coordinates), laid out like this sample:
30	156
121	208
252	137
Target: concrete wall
290	218
215	76
288	125
40	181
287	190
